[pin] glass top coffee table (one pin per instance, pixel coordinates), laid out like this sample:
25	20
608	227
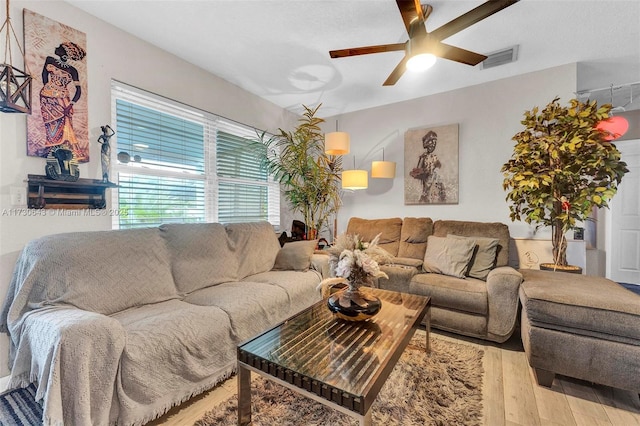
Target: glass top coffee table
338	363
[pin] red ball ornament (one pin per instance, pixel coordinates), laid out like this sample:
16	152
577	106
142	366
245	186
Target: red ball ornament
613	127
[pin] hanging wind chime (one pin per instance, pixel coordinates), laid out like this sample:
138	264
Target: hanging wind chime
15	85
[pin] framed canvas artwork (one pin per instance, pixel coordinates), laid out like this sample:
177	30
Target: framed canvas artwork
55	55
431	165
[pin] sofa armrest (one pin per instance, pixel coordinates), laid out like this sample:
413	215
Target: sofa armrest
72	355
320	263
503	284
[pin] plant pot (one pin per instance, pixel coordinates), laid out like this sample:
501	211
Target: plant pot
352	304
572	269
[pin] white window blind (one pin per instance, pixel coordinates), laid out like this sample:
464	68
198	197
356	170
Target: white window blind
185	165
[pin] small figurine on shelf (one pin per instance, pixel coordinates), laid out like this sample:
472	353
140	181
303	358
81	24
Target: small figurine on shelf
105	151
61	165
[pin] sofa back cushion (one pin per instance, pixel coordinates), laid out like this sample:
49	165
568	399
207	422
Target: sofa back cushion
255	245
500	231
104	272
413	237
367	229
201	255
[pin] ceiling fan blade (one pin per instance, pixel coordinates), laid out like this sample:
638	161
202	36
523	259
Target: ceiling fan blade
457	54
474	15
367	50
397	72
411	10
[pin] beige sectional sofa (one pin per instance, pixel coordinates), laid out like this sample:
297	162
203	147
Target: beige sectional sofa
119	326
479	298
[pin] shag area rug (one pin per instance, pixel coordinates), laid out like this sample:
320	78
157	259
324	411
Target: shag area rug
443	388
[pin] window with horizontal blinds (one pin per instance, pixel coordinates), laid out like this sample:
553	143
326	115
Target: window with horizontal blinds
146	200
243	185
185	165
160	139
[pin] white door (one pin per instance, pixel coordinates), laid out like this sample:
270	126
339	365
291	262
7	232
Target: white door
625	219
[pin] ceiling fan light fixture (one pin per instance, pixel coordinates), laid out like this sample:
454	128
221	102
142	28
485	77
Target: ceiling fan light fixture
421	62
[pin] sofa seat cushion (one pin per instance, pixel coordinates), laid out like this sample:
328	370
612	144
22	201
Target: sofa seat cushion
172	350
399	277
469	295
301	287
407	261
201	255
586	305
252	307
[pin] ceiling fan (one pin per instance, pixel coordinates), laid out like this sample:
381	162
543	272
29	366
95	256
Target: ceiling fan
422	42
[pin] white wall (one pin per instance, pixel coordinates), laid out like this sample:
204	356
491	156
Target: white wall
488	116
111	54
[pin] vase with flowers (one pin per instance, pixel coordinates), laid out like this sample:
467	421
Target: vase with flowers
355	264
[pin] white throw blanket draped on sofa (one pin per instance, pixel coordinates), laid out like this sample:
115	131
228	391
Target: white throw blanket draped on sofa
98	321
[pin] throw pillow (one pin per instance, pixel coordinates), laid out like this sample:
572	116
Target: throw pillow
448	256
484	256
295	256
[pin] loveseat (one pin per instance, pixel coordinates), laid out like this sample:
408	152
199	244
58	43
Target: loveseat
119	326
461	265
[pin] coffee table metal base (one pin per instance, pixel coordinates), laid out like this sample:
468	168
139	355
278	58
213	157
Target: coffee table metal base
244	396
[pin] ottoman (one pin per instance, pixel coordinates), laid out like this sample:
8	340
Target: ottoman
580	326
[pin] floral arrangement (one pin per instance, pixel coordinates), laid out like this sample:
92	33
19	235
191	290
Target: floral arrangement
355	262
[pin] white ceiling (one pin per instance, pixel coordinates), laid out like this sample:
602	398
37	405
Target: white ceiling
278	49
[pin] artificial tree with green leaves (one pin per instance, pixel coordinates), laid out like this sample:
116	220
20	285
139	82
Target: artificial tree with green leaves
311	179
561	168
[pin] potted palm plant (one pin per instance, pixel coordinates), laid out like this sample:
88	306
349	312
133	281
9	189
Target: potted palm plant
561	168
310	178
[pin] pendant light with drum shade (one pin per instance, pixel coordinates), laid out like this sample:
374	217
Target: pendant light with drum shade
383	169
336	143
355	179
15	85
339	143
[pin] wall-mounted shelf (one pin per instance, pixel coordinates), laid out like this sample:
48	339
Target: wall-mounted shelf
45	193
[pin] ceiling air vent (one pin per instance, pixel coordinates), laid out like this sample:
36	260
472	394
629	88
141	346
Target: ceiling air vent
500	57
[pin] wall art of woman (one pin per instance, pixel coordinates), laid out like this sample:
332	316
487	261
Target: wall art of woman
56	103
427	171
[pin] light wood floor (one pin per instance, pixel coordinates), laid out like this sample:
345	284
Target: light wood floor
511	396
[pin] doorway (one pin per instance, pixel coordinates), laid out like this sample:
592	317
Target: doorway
623	261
